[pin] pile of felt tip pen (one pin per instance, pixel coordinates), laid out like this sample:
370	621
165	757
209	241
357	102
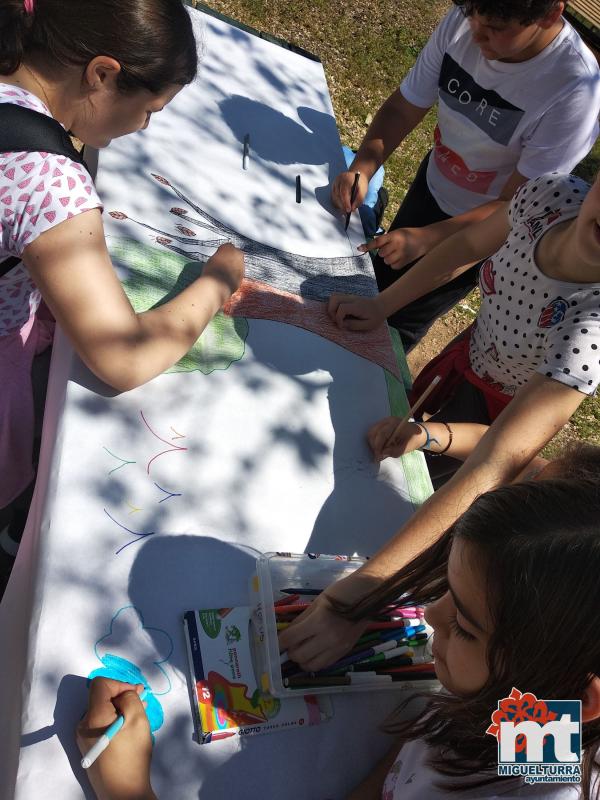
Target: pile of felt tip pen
393	647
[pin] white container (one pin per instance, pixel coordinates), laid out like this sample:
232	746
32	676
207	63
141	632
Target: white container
277	571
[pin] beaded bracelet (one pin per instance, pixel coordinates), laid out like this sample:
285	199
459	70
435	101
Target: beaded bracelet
430	439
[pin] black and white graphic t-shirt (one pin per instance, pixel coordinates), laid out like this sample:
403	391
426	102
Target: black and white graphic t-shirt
537	116
528	322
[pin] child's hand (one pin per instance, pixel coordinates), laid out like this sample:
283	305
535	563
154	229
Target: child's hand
341	191
409	438
319	636
353	313
398	248
226	266
122	771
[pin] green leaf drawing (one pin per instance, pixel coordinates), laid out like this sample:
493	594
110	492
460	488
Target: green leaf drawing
154	276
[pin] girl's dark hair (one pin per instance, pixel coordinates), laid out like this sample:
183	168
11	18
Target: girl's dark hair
524	11
538	547
152	40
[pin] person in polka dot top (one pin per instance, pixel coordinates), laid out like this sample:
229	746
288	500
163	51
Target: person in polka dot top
53	65
516	376
533	320
538	328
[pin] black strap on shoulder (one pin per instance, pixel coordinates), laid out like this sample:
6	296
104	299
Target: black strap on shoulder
8	264
26	130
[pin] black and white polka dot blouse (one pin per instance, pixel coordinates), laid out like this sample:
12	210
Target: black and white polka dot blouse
528	322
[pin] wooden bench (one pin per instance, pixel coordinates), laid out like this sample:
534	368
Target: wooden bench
585	16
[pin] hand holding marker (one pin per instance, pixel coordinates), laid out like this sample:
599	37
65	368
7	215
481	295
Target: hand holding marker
352	198
100	746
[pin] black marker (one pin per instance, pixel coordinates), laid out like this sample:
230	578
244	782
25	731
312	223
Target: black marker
298	189
246	151
352	198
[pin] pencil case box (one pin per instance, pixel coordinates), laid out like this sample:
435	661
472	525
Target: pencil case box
276	572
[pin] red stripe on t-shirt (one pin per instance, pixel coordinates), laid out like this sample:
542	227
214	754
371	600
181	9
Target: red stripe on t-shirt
454	169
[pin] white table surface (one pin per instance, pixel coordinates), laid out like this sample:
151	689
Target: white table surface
268	454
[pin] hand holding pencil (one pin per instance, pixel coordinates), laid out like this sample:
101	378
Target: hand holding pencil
384	442
353	193
341	190
354	313
123	769
395	437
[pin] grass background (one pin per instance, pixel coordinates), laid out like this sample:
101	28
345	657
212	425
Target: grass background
366	48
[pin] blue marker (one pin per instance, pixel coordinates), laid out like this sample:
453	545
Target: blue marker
415	630
402	633
103	742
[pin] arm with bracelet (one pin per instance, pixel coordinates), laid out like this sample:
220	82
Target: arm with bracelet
437	438
537	412
458	440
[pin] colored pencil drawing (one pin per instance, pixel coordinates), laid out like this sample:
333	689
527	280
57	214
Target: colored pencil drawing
124	461
168	494
153	277
279	285
133	652
139	535
163	494
257	300
172	448
120	669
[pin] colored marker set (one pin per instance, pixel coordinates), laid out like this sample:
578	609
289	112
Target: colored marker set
393	653
400	647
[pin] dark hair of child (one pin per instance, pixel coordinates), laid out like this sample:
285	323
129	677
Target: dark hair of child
523	11
152	40
538	547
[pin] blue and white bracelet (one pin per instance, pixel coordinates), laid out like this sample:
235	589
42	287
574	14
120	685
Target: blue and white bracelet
426	445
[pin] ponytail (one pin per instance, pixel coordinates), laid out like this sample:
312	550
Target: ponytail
152	40
15	26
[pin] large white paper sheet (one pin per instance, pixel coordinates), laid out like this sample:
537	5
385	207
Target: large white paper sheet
156	501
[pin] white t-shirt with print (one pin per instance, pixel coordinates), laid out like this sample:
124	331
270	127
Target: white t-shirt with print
537	116
528	322
37	192
411	778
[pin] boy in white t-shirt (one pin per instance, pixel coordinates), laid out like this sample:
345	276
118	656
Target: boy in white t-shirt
518	95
